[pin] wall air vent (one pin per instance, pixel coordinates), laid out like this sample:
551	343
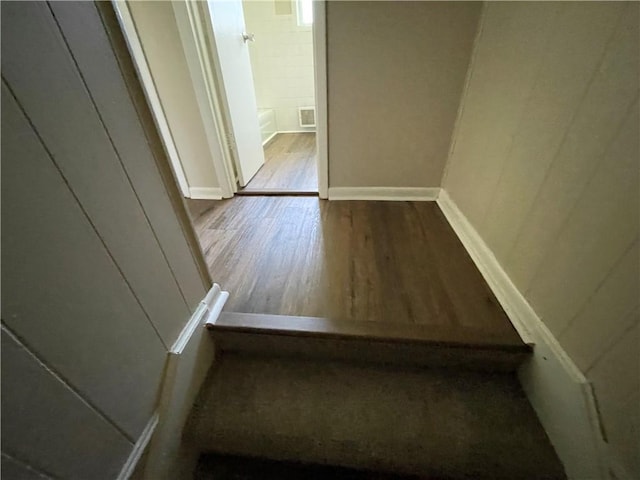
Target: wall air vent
307	116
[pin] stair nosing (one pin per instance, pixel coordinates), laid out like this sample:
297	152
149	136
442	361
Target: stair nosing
325	328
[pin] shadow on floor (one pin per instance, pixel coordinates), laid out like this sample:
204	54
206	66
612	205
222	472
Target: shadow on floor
225	467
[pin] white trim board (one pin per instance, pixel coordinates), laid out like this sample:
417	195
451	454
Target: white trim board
188	362
311	130
205	193
139	448
559	393
193	35
413	194
271	137
277	132
513	303
320	71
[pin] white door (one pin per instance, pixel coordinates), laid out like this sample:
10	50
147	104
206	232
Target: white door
227	20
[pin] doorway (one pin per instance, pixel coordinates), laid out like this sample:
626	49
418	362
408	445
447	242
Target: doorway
282	65
289	99
215	60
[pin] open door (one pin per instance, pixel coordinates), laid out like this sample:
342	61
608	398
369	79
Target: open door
231	41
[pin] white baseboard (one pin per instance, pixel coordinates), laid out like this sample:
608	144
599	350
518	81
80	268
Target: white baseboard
565	405
414	194
514	304
559	393
139	448
188	362
309	130
205	193
271	137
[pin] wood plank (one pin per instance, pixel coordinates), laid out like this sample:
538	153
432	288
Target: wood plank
360	351
464	285
317	327
50	427
290	165
389	262
95	58
62	292
43	76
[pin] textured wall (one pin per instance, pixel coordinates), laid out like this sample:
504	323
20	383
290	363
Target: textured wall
545	166
395	75
98	277
281	60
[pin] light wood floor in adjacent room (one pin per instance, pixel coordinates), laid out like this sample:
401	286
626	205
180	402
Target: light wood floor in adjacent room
290	165
347	260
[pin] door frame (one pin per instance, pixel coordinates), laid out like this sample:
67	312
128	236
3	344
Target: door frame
194	23
320	65
134	44
193	26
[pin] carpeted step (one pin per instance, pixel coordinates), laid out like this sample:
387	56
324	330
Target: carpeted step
231	467
435	423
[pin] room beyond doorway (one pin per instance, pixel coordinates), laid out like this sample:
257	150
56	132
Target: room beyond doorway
281	53
290	166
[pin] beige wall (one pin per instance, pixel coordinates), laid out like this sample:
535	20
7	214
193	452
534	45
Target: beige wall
158	32
545	166
395	75
98	278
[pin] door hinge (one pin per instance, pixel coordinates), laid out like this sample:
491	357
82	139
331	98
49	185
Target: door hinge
231	141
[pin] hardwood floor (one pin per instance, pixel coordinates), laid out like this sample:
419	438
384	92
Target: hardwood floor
347	260
197	207
290	165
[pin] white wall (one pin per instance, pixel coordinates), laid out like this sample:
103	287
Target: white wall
395	74
156	26
545	166
281	60
98	274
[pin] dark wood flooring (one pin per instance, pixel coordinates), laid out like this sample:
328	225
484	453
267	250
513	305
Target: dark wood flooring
392	262
290	165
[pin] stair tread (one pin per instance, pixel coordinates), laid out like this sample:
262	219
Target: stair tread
319	327
434	423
